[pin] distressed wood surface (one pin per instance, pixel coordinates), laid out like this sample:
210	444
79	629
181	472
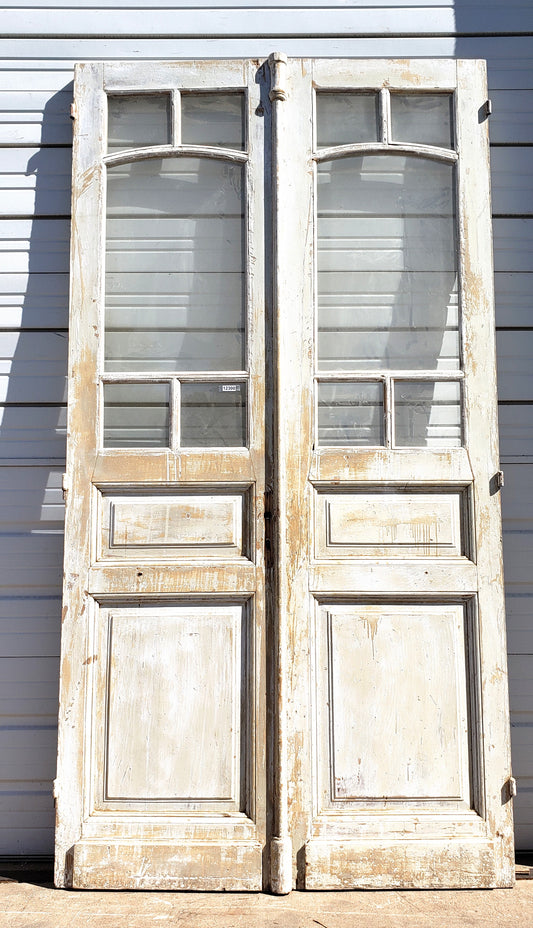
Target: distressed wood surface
441	616
187	633
350	585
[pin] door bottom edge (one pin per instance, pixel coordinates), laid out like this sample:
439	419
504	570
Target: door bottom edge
144	865
432	864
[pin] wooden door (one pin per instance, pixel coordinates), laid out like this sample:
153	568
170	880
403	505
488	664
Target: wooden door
283	655
394	711
162	742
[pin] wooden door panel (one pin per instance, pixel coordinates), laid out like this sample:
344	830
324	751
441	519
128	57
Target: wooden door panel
175	676
392	523
141	523
392	679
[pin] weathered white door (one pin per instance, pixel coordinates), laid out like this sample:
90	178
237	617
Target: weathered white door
161	779
316	698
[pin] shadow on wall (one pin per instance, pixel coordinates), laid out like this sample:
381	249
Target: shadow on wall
32	450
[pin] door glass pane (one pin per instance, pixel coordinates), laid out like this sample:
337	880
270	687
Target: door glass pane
387	267
138	120
426	118
350	414
213	119
344	118
175	266
213	415
427	414
136	415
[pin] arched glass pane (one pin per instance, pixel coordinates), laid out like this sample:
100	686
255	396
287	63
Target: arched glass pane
387	264
175	266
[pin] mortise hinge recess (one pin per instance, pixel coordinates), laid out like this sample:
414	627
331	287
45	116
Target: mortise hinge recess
499	479
65	485
278	64
488	107
73	111
512	787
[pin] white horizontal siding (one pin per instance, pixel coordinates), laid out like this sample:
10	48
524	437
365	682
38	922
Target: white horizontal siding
516	433
36	300
33	434
35	96
30	626
324	20
359	17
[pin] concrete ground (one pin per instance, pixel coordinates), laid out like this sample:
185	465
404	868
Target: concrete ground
27	905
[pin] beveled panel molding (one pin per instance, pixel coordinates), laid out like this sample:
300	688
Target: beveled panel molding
171	523
395	523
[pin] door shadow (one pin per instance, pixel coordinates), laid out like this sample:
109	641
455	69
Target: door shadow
32	451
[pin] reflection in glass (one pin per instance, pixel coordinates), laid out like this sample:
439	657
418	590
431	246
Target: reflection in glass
213	415
344	118
426	118
350	414
175	266
136	415
428	415
138	120
387	267
213	119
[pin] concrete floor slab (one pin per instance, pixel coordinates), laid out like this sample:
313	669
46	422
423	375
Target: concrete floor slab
25	905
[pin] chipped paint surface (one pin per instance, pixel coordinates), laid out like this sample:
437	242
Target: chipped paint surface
163	635
375	645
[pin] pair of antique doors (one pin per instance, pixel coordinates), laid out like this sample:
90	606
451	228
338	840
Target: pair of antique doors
283	657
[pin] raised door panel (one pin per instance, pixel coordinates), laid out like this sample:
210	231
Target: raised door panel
391	678
175	676
390	523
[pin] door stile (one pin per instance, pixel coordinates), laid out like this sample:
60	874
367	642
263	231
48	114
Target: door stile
293	190
85	282
482	428
280	842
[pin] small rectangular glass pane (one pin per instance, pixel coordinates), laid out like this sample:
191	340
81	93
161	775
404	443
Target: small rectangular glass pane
136	415
427	415
346	118
387	264
213	119
175	262
423	118
213	415
350	414
138	120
